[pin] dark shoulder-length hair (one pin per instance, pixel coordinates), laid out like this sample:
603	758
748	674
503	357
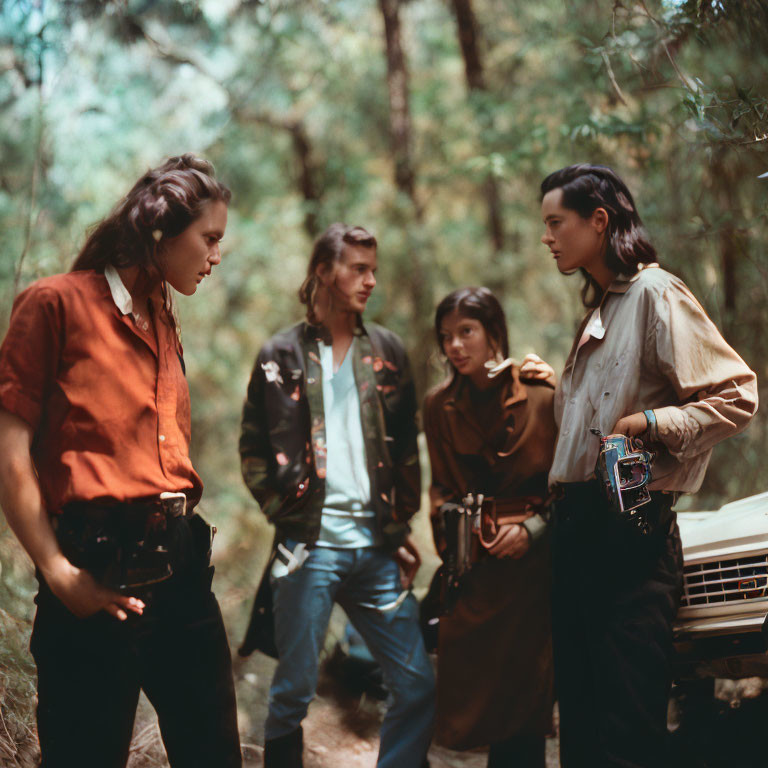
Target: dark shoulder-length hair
160	205
481	305
586	188
327	251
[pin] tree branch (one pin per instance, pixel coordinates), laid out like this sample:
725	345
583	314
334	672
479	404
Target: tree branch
612	78
302	146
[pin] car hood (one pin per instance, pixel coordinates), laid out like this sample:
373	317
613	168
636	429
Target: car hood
736	527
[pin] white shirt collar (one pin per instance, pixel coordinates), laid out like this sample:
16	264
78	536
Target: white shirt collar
120	294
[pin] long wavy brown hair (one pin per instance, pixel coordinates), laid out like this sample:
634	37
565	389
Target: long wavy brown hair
160	205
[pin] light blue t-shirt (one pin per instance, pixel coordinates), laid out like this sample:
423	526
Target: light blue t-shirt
347	520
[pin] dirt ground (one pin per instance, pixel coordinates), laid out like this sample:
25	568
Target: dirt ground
724	729
329	743
340	729
342	726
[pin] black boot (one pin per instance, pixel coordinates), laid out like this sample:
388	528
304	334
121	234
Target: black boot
285	751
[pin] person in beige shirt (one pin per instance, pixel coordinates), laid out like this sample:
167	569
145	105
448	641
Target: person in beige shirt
647	362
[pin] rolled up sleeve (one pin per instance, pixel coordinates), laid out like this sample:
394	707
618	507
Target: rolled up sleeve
30	352
717	390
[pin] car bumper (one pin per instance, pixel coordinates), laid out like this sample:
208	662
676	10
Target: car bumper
725	647
720	625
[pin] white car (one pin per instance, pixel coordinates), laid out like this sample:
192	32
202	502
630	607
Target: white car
721	626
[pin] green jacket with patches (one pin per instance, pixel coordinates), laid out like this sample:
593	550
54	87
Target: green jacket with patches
283	446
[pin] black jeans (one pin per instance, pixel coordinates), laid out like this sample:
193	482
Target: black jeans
90	672
615	597
522	751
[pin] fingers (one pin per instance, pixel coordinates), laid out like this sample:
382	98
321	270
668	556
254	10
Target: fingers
522	545
512	541
506	540
83	596
621	426
533	367
406	557
118	605
632	425
132	604
410	545
115	610
407	576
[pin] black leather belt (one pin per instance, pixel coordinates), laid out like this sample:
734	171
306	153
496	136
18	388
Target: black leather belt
124	544
580	503
170	503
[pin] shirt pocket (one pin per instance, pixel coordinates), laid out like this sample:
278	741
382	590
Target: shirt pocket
605	379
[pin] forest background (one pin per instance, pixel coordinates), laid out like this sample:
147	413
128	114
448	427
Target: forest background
430	122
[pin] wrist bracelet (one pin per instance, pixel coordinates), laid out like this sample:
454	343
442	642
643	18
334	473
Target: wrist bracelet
652	430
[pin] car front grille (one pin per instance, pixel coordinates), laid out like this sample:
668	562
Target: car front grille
725	581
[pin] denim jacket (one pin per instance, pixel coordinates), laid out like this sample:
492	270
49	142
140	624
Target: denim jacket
283	444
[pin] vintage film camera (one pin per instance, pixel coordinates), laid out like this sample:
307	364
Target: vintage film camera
624	471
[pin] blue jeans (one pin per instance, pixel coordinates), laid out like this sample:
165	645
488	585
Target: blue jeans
366	584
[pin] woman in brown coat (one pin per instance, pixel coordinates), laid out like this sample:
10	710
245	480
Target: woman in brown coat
489	432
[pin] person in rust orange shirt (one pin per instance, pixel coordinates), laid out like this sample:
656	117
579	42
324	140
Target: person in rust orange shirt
97	484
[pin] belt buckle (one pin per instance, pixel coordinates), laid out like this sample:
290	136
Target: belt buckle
174	503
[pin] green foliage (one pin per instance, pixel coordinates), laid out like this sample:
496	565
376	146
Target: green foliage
672	94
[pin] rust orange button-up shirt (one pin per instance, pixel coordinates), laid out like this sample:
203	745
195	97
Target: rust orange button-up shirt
106	398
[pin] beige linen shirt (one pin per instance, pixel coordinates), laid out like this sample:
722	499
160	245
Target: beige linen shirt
650	345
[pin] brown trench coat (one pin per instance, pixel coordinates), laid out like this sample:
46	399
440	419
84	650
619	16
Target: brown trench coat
495	677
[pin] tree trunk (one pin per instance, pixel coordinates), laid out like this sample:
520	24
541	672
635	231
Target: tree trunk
467	30
399	109
495	221
306	172
306	177
302	146
405	181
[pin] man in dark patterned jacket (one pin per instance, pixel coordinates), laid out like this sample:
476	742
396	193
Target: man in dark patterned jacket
329	452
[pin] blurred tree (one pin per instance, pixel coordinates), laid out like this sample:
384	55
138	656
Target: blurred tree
430	122
405	180
469	41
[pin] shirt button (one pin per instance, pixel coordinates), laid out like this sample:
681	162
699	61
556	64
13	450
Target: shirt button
162	438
